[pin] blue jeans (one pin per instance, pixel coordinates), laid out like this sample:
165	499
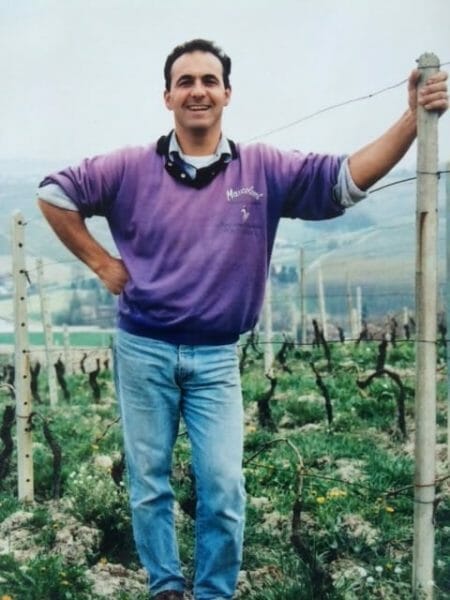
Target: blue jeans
156	383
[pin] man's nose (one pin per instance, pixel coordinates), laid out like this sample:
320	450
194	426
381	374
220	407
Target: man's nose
198	89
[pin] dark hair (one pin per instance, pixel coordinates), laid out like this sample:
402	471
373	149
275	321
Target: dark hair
202	46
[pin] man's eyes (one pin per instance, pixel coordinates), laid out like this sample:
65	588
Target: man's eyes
209	81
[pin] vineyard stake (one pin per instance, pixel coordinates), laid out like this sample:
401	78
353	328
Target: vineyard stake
48	334
68	360
268	348
426	307
323	314
359	307
302	298
353	333
355	327
22	363
405	317
294	316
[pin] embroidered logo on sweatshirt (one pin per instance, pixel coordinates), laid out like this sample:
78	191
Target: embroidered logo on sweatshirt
245	191
245	213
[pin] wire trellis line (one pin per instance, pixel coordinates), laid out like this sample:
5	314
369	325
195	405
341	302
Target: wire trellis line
330	108
382	187
365	342
323	110
93	350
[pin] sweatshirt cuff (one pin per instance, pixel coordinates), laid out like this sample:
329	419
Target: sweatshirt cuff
346	192
54	194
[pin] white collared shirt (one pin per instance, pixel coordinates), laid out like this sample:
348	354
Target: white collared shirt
190	163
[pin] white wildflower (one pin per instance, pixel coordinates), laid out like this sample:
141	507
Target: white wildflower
103	461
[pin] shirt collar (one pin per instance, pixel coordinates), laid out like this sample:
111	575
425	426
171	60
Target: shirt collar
223	147
187	174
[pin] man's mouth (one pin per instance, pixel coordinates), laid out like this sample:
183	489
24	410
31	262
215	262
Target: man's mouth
198	107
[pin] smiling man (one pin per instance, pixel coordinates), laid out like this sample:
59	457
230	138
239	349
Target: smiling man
194	218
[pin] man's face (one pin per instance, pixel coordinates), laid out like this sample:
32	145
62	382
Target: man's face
197	93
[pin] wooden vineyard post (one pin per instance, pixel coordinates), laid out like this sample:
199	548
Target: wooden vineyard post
355	328
322	310
405	317
426	319
48	335
351	319
67	351
302	297
294	316
358	309
22	363
268	348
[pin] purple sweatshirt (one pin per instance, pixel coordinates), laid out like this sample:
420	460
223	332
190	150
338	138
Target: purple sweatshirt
198	257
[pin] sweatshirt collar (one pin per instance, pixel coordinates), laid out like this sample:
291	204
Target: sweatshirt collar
223	148
169	143
203	176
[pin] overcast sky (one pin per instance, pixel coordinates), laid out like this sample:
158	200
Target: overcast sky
81	77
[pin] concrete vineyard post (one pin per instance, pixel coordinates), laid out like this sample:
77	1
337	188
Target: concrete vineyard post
22	363
426	319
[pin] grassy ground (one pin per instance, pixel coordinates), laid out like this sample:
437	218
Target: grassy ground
330	502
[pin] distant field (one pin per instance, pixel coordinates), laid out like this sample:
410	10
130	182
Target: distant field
57	301
78	338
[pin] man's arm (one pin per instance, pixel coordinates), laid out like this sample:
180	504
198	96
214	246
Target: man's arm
70	227
376	159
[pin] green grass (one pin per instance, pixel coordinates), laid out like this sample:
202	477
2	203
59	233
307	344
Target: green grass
43	578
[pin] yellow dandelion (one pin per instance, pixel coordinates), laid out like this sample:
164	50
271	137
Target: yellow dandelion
336	493
321	500
389	509
6	597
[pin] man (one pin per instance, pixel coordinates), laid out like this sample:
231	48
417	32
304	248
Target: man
194	218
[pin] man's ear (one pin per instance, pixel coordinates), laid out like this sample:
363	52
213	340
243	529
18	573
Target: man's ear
227	95
168	99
